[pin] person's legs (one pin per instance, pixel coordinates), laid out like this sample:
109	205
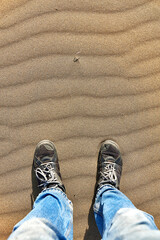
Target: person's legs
118	218
53	206
45	231
52	213
115	214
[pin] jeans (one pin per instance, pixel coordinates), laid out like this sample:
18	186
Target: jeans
115	215
51	218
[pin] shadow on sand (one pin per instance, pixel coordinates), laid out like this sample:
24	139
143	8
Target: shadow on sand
92	232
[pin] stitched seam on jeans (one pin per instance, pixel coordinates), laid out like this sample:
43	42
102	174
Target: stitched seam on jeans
98	212
69	229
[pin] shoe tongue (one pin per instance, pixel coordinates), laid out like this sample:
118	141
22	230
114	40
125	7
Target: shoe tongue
46	159
109	159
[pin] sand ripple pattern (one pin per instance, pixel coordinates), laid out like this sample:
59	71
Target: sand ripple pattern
78	72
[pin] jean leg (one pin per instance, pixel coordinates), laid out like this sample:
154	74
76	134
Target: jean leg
53	206
131	224
109	203
36	229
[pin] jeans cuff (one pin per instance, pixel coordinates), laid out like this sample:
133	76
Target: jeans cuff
97	203
104	188
55	190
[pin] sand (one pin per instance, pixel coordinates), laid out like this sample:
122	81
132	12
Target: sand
79	72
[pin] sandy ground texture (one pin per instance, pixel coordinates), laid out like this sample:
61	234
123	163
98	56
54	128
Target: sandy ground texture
78	72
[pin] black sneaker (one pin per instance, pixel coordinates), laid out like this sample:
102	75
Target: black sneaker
45	170
109	166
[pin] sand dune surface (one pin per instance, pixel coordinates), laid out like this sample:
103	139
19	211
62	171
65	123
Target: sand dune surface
79	72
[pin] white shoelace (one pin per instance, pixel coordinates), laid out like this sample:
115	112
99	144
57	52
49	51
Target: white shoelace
110	173
46	174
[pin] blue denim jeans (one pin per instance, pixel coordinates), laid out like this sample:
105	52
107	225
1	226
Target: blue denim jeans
51	218
115	215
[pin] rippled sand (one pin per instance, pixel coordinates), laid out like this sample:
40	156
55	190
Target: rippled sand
78	72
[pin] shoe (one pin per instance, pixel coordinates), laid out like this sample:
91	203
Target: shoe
45	170
109	168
